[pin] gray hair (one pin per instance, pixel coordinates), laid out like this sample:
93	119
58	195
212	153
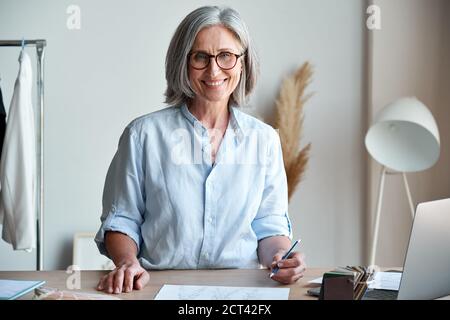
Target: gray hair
179	90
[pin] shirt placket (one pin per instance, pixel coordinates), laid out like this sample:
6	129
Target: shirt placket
209	208
209	220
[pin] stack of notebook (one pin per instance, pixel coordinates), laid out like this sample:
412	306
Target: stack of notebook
349	282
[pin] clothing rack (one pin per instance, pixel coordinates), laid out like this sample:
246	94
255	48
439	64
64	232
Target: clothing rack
40	48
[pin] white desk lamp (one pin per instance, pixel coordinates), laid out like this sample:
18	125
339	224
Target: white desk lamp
404	138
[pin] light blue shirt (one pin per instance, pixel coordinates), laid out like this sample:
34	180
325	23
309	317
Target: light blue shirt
182	210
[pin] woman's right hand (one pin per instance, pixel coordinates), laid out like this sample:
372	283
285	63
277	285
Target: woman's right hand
126	277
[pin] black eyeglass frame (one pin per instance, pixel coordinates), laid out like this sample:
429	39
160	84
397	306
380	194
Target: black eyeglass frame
215	58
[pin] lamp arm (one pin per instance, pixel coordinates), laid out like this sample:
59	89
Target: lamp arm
408	193
377	217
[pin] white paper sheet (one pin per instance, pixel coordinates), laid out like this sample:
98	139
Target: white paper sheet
181	292
316	281
12	289
386	281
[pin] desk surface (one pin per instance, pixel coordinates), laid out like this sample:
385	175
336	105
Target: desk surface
228	277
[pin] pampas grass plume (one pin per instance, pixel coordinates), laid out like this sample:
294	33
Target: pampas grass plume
289	122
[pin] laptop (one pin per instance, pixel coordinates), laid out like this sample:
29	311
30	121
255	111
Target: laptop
426	271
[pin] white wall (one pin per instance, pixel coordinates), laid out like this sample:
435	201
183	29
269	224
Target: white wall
411	57
112	70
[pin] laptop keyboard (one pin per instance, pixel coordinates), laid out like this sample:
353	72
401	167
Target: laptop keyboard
378	294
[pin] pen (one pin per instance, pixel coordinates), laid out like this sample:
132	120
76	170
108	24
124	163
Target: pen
286	255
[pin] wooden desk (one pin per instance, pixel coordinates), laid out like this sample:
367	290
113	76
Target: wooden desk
228	277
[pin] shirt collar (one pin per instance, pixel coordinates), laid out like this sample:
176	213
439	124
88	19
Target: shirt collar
185	111
233	122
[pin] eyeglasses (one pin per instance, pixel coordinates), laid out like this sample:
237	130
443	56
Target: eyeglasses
225	60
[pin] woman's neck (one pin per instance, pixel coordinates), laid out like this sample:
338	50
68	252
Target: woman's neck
211	115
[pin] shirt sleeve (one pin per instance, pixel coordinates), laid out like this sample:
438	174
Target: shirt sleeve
123	193
272	218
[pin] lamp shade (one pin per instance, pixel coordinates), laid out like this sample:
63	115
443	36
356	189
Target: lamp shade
404	136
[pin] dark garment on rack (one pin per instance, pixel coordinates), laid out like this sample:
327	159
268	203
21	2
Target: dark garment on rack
2	122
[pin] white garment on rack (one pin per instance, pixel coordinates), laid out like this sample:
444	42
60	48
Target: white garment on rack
18	165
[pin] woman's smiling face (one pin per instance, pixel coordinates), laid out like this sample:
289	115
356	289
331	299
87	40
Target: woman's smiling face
214	84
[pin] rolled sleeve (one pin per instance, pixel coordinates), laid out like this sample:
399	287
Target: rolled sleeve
123	193
272	218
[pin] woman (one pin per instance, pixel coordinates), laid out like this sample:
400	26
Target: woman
199	184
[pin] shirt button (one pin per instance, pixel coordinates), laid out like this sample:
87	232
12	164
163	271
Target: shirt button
206	255
210	220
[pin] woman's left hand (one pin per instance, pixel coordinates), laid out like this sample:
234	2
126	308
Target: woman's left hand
290	269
